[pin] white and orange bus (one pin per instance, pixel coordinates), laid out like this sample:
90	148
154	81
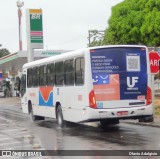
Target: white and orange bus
103	84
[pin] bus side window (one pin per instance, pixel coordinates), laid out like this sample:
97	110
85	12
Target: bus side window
50	74
79	71
35	72
82	69
29	78
69	72
42	75
59	69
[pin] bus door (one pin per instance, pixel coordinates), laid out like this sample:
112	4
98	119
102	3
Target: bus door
23	93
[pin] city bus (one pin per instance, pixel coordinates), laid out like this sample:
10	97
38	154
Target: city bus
104	84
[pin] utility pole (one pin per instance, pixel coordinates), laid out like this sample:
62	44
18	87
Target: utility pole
20	5
95	35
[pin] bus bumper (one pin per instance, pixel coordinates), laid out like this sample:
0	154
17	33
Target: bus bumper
121	113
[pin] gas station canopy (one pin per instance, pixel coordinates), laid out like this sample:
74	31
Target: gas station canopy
16	60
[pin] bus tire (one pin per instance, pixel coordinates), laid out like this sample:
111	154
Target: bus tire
34	117
147	119
60	119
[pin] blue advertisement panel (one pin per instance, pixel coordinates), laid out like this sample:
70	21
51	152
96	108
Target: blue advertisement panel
119	73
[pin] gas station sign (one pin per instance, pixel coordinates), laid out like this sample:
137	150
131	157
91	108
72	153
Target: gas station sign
35	28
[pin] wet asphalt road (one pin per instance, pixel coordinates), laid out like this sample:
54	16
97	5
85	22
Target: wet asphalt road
19	133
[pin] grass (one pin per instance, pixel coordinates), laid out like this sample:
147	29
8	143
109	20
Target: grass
157	106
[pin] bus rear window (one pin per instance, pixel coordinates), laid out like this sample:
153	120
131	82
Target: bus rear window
113	60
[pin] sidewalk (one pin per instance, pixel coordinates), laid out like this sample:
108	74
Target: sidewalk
16	101
10	101
155	123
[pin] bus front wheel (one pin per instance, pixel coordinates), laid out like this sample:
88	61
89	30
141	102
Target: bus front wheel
34	117
60	119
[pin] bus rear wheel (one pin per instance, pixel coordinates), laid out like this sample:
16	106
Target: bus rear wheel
147	119
60	119
107	122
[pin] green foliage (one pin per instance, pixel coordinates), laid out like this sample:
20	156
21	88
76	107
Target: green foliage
4	52
157	76
95	38
95	43
134	22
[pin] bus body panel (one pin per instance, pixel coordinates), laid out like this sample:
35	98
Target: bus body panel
44	111
72	101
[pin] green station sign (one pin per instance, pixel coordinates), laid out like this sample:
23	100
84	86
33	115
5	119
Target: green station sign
36	28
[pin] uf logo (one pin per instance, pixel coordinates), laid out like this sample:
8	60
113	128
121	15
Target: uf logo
131	81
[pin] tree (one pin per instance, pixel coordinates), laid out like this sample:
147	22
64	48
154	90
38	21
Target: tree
4	52
95	37
134	22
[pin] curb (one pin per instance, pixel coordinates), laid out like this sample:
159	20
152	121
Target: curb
152	124
10	101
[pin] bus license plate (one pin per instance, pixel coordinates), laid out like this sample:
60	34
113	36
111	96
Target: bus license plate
122	113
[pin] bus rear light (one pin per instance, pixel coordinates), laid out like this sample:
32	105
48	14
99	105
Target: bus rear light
92	51
149	96
92	100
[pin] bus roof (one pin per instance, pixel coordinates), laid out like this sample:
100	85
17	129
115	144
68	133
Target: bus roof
72	54
54	58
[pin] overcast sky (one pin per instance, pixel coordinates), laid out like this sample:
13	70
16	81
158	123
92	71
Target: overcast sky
65	22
